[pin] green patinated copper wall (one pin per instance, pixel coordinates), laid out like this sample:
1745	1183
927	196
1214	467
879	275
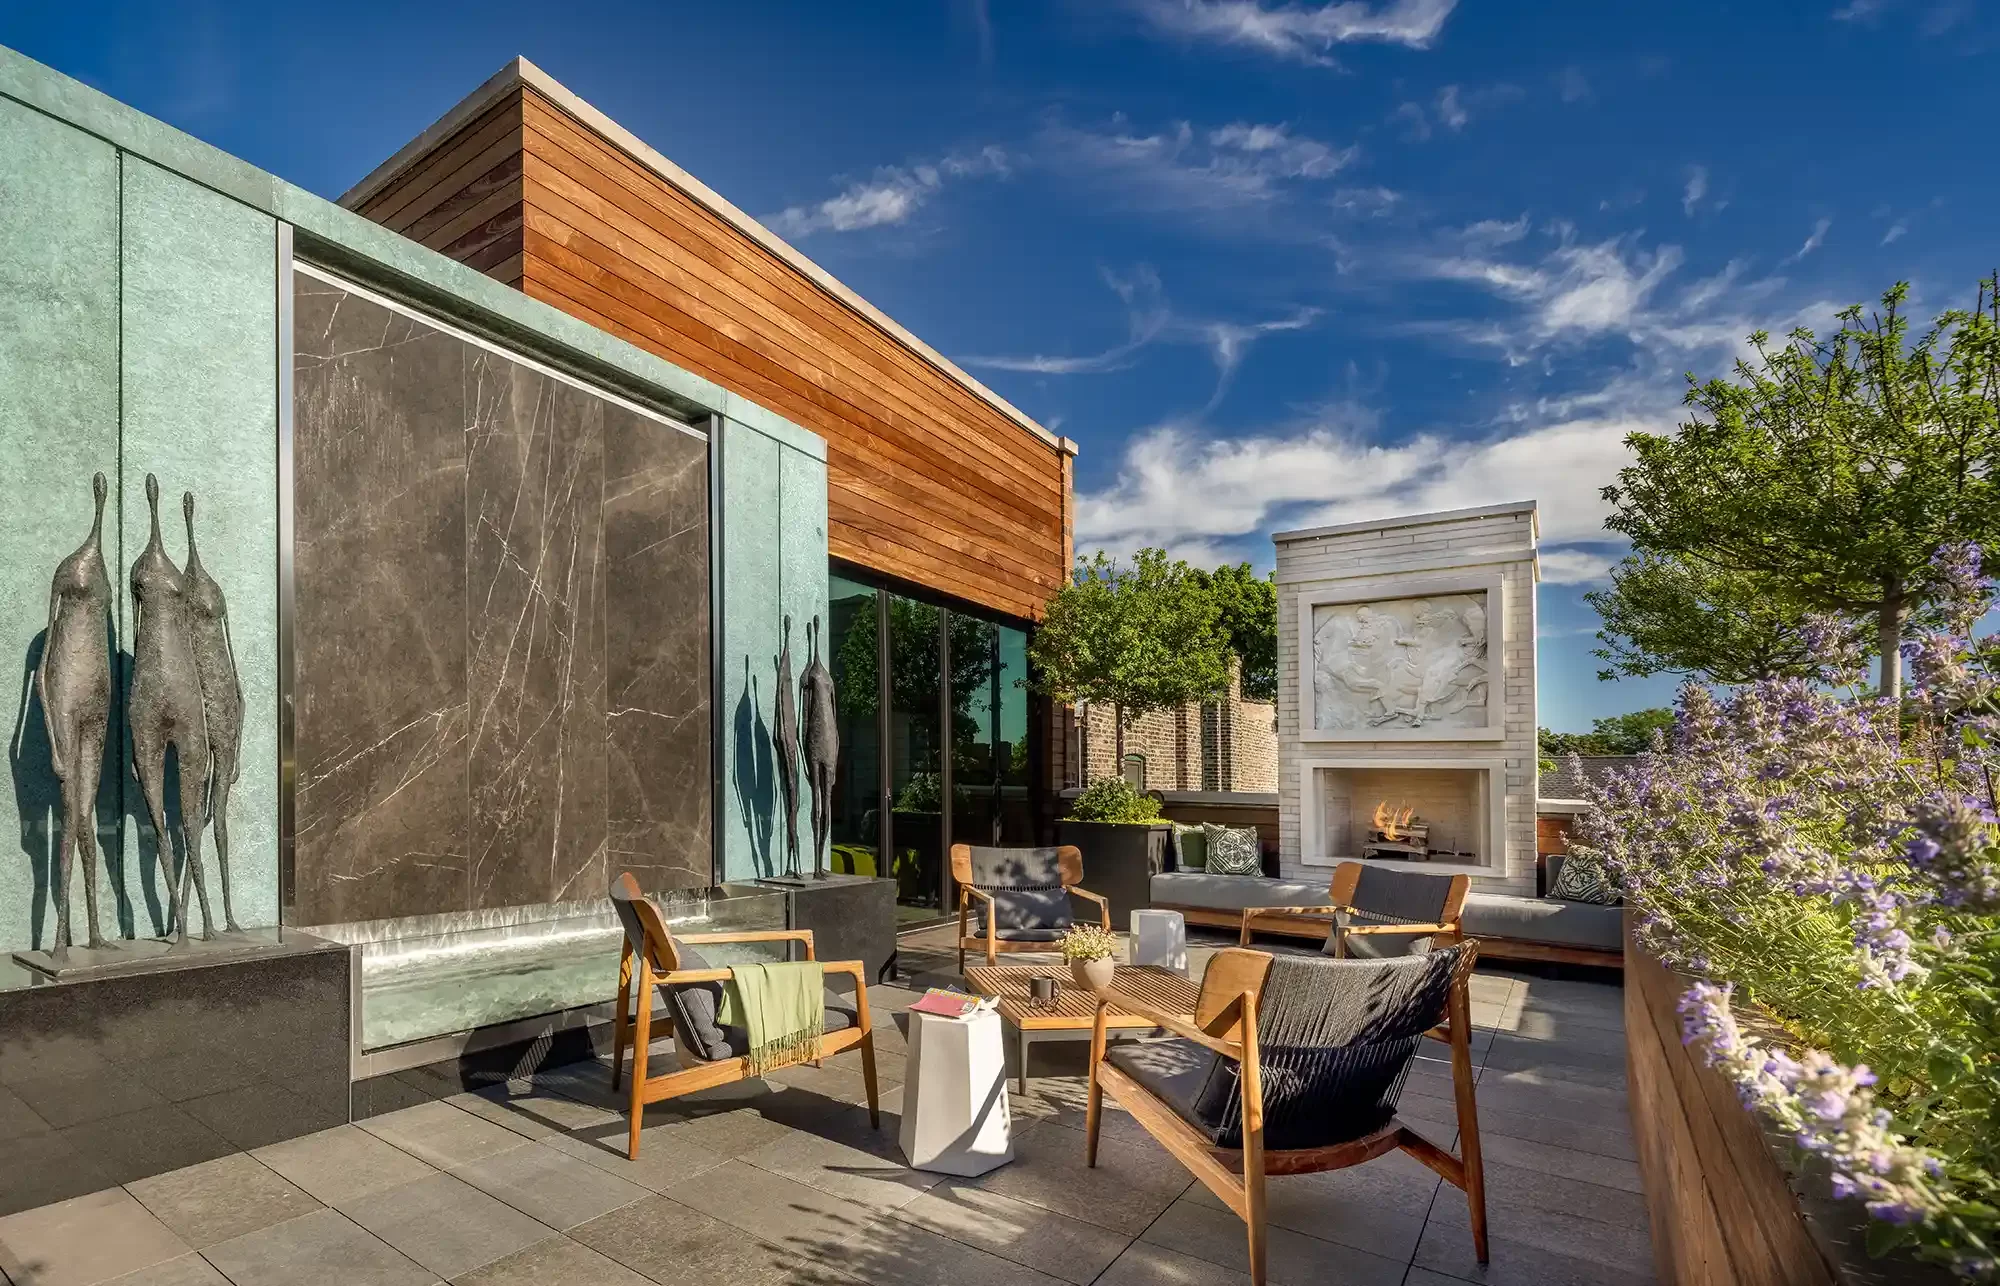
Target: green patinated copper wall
139	333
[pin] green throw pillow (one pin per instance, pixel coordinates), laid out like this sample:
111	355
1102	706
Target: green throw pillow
1582	879
1193	847
1232	850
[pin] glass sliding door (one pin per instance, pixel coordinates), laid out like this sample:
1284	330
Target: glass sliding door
853	655
916	755
1015	795
977	759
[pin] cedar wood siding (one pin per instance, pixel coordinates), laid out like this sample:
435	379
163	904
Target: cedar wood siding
929	482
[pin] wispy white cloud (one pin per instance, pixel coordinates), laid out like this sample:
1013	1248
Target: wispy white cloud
1696	189
1573	85
1450	112
1225	170
1149	320
1300	33
1896	231
890	196
1366	203
1813	241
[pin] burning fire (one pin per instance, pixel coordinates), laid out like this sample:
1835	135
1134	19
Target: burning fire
1392	821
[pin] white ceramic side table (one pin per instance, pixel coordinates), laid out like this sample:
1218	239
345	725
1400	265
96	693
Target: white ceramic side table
955	1115
1160	938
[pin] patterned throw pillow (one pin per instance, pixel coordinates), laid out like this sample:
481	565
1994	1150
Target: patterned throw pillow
1233	850
1192	845
1582	879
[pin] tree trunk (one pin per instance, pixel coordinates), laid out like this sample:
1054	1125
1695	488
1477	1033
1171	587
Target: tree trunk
1889	640
1118	722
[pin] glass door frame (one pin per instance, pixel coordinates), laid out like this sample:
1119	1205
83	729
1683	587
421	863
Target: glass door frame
1036	731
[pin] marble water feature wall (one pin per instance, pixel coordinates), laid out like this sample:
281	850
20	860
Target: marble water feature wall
502	625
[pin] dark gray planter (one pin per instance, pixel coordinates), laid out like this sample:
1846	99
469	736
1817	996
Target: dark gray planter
852	917
1120	860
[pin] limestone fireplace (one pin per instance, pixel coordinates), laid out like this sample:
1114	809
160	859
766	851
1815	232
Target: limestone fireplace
1406	706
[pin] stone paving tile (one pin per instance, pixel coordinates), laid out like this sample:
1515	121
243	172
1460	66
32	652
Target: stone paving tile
1548	1129
663	1160
299	1252
891	1252
677	1246
558	1261
446	1224
1379	1206
1590	1167
549	1185
531	1112
1448	1250
1054	1243
843	1084
785	1212
441	1134
870	1170
188	1270
1126	1191
84	1240
220	1199
726	1134
889	1064
1293	1258
342	1164
1146	1264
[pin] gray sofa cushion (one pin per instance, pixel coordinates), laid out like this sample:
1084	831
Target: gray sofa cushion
1233	892
1544	920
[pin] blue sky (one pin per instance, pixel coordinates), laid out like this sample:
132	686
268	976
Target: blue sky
1270	266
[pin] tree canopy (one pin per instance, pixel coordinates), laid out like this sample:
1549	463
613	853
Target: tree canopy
1832	470
1139	636
1620	734
1248	607
1669	614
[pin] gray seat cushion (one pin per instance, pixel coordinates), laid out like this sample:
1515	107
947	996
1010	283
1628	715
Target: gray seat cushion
840	1016
1544	920
1180	1074
695	1004
1233	892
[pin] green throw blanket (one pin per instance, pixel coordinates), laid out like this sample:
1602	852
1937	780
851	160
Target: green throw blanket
782	1007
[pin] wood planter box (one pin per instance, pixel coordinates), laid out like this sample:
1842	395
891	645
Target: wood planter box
1120	860
1728	1205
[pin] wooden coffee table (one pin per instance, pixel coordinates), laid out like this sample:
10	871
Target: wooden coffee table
1074	1012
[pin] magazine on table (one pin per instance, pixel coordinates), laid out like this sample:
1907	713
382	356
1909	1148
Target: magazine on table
945	1003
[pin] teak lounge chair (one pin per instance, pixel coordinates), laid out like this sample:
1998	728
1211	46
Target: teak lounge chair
1023	896
1293	1065
653	957
1374	911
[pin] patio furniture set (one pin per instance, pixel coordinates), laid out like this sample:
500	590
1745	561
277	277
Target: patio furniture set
1268	1065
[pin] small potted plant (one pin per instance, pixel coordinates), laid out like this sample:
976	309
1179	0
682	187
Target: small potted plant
1092	954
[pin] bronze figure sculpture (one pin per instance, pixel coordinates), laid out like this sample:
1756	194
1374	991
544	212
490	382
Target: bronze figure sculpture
785	739
73	682
166	709
820	738
221	696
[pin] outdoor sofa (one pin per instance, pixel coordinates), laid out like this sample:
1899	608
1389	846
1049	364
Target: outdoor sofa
1508	926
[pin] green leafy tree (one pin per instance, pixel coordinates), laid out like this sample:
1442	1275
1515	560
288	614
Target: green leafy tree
1834	468
1137	637
1619	734
1248	604
1667	614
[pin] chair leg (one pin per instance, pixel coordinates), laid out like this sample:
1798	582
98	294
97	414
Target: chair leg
867	1051
622	1017
1468	1116
1259	1272
641	1048
1093	1114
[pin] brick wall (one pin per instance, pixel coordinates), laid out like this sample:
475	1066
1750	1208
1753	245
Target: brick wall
1228	745
1396	558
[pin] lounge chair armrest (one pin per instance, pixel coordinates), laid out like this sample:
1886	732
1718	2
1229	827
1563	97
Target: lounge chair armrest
1178	1024
680	976
750	935
857	968
1253	912
975	891
1103	903
1399	928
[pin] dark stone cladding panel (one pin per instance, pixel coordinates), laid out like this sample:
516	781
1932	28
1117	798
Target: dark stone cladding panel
380	617
535	585
656	546
110	1080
